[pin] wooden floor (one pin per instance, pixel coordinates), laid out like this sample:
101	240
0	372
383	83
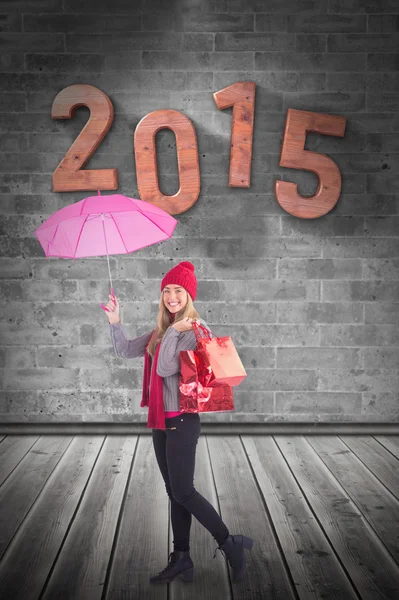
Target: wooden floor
87	517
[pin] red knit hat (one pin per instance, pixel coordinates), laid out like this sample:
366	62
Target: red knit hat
182	274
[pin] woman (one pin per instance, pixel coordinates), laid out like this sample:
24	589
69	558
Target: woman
175	433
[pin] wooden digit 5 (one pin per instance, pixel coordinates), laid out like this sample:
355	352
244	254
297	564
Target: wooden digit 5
241	96
68	176
187	156
294	156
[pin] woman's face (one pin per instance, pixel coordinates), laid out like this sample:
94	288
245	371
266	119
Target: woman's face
174	297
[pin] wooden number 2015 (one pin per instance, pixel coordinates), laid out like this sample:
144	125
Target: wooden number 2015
241	96
69	175
294	156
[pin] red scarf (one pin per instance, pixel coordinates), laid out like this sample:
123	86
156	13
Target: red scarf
154	399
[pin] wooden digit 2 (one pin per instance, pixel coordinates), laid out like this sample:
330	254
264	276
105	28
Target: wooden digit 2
294	156
68	176
187	157
241	96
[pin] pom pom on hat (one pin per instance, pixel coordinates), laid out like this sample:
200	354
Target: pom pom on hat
182	274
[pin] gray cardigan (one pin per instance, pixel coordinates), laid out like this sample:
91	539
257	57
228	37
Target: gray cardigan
173	342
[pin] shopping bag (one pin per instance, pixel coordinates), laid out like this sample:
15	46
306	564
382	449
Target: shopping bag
220	357
195	395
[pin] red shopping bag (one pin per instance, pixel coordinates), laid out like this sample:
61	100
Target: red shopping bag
221	358
195	395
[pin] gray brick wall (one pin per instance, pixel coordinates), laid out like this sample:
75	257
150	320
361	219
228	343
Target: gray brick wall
312	305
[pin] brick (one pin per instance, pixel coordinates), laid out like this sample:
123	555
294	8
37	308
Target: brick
197	81
106	43
159	21
311	43
277	81
312	82
359	6
357	335
362	42
368	163
383	23
270	22
13	143
11	62
385	404
93	7
322	23
318	268
12	103
364	248
387	142
47	63
198	42
346	82
273	6
329	225
14	183
372	122
381	269
10	23
379	358
23	6
80	23
372	380
194	20
162	80
299	405
362	291
382	102
382	61
375	82
32	42
381	226
386	313
319	358
244	42
286	61
326	102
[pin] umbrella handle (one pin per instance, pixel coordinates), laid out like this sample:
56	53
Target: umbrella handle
113	296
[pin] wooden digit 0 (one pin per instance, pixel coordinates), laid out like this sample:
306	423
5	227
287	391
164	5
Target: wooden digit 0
187	156
241	96
68	176
294	156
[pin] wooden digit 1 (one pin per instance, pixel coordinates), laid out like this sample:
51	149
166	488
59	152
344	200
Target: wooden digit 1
187	157
241	96
68	176
294	156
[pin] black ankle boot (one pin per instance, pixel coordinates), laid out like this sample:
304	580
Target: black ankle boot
233	547
179	563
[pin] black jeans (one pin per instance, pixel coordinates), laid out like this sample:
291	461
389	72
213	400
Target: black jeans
175	453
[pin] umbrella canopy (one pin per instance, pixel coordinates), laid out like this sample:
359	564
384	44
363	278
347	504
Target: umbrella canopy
99	225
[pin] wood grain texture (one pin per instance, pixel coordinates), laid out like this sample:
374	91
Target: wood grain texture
241	96
187	157
69	176
89	517
294	156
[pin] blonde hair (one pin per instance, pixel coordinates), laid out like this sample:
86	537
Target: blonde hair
163	321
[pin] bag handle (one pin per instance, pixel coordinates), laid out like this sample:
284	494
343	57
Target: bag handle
198	329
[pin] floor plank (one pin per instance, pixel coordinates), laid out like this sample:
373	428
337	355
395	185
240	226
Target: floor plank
35	546
88	517
82	564
306	549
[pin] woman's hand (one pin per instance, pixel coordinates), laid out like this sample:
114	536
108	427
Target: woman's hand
185	324
113	307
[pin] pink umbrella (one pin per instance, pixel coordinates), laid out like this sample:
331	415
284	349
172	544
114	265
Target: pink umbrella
99	225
